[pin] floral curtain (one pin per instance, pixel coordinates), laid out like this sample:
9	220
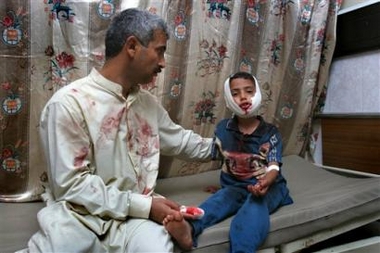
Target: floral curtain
46	44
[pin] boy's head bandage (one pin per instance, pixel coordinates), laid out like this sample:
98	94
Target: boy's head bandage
235	108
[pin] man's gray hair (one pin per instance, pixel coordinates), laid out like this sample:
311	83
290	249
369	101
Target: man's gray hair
132	22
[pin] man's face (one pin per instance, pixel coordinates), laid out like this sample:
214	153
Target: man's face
151	60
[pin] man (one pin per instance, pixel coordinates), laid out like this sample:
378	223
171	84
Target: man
102	137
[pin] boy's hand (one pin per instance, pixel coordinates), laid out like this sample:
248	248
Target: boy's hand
263	184
259	189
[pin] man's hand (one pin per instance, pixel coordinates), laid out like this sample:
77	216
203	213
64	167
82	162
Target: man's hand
162	207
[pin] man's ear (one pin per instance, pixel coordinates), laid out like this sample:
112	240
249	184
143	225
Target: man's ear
131	45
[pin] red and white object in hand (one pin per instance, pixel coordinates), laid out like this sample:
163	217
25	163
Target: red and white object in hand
192	212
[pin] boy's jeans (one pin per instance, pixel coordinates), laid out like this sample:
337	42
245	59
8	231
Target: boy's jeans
250	226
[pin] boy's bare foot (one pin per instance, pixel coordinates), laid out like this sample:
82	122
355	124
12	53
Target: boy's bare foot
180	230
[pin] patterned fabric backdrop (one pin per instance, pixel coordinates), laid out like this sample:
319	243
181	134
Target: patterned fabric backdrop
46	44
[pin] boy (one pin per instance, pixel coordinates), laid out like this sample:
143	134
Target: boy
251	179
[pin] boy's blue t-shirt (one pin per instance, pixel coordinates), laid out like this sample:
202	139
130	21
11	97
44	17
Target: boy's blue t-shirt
235	149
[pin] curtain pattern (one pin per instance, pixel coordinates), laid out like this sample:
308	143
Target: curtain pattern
46	44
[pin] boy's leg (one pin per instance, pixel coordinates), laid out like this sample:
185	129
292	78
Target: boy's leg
219	206
250	226
277	196
251	222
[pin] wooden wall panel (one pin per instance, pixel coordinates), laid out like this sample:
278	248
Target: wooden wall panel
351	142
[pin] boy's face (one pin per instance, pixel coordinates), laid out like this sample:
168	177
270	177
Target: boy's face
242	90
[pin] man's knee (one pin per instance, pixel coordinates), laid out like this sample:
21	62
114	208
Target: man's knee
150	237
61	232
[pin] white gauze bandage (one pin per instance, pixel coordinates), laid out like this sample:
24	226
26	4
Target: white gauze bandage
273	167
230	103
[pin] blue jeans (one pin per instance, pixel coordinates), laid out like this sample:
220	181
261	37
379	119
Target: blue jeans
250	226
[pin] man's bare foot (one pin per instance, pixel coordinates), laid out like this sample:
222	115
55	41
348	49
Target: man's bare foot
180	230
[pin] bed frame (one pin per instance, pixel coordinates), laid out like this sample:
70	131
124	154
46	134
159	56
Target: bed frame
323	235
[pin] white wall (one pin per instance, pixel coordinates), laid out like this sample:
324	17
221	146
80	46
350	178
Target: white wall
354	81
353	84
349	5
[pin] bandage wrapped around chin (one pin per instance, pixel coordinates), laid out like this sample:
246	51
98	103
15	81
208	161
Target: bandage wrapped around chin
235	108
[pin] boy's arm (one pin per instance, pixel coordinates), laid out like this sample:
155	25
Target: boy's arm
263	184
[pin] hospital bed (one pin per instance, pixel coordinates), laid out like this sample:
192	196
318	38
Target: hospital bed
326	204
